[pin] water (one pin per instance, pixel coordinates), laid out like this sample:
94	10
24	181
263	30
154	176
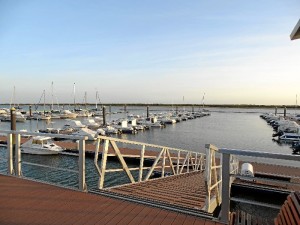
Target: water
224	128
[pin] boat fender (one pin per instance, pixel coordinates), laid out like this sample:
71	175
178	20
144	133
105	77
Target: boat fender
247	170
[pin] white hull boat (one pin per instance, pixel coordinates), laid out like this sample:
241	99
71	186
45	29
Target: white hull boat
41	146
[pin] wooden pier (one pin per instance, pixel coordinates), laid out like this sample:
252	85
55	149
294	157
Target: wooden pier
28	202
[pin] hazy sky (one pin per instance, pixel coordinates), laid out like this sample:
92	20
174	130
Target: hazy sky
150	51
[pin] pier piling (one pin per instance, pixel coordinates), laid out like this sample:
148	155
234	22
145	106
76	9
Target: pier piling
275	111
148	111
30	111
284	112
104	115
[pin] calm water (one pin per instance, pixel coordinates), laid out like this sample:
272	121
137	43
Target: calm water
225	128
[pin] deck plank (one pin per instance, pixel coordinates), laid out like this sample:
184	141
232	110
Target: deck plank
29	202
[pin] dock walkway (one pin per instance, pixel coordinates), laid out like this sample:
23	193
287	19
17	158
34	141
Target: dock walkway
29	202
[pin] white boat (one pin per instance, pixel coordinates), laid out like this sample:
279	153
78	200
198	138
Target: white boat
90	123
67	114
40	145
290	137
92	135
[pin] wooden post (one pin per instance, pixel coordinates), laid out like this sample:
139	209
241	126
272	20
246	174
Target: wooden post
104	115
30	111
284	112
275	111
141	163
193	109
103	164
81	165
147	111
176	109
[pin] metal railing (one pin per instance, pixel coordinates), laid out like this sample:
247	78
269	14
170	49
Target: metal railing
228	175
213	177
14	161
176	161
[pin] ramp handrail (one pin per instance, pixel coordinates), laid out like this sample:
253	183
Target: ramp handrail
178	161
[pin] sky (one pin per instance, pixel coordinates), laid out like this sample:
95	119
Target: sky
151	51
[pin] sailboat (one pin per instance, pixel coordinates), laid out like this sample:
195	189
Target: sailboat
42	115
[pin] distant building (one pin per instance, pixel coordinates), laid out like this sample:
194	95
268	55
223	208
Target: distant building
296	32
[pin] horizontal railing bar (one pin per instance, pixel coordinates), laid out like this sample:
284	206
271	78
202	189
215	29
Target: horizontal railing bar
50	167
74	137
135	168
255	203
134	156
266	179
216	167
213	186
147	145
259	154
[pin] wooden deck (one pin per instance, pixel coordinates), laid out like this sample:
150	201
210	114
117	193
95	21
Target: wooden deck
27	202
185	190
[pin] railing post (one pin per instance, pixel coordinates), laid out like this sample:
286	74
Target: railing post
18	155
10	164
141	163
178	161
225	207
163	163
103	164
208	176
81	165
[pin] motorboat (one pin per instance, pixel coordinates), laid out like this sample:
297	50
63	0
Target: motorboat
290	137
40	145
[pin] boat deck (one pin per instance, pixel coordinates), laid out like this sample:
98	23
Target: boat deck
29	202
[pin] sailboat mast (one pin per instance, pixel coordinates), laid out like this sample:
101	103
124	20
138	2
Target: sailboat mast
96	100
74	96
52	96
44	101
85	96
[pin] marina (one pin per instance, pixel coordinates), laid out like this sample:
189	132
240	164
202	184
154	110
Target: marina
162	113
197	186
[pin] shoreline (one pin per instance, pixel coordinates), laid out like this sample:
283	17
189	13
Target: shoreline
167	105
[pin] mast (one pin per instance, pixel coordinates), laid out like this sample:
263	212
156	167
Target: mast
52	96
85	96
96	100
203	100
44	101
74	96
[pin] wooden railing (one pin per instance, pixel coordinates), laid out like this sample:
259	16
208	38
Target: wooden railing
164	159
